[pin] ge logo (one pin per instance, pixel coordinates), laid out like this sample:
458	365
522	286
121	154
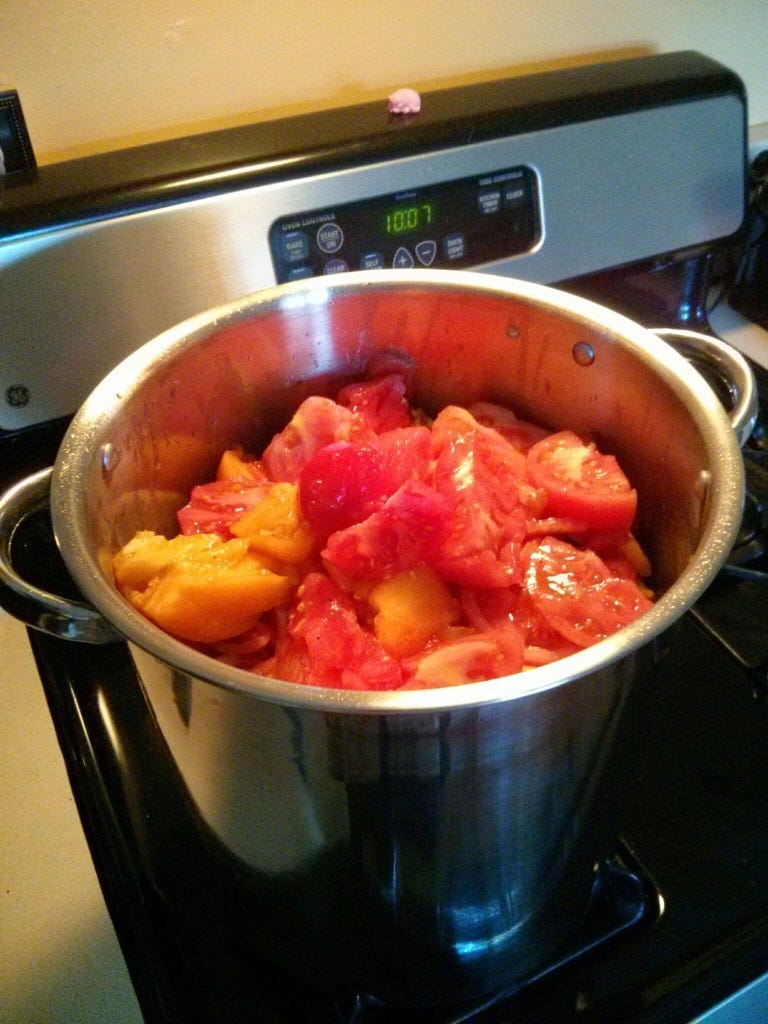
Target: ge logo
17	395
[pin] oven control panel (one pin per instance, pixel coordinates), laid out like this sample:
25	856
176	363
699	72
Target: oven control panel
465	222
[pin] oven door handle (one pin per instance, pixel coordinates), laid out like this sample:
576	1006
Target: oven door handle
49	613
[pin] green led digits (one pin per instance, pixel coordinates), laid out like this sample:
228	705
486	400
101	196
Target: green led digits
409	218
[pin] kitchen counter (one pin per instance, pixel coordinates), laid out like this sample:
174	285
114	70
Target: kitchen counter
60	961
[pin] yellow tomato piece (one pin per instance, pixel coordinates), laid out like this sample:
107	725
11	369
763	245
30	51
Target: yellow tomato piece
236	464
638	559
198	588
276	527
412	607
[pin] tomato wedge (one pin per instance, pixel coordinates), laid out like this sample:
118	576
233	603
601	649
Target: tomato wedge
582	483
578	594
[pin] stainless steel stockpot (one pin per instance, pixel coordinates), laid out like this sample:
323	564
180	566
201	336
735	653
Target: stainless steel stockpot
424	845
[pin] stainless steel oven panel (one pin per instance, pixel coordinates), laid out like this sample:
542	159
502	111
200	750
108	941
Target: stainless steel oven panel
75	301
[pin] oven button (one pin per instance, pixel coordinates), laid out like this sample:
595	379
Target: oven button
295	247
299	273
489	201
330	237
426	252
514	194
336	266
455	246
372	261
403	259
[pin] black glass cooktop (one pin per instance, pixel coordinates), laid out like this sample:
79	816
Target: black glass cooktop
680	916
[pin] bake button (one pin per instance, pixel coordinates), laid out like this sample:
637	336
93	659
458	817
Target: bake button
294	246
426	252
336	266
372	261
403	259
455	246
489	201
330	237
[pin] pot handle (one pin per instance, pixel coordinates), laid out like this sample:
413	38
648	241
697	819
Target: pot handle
725	369
49	613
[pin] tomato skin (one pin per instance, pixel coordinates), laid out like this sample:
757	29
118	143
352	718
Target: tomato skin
342	484
577	593
582	483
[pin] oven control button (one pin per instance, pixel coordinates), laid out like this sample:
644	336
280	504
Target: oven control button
336	266
299	273
455	246
515	194
294	246
426	252
330	237
372	261
489	201
403	259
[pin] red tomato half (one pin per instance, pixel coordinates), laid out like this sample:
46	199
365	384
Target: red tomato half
582	483
577	594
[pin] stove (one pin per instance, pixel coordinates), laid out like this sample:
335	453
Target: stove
626	183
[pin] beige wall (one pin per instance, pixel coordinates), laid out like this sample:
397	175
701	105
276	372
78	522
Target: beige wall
95	75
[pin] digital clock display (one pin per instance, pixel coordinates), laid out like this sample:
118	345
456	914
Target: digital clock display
412	217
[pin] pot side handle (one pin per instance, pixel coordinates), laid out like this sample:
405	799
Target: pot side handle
725	369
49	613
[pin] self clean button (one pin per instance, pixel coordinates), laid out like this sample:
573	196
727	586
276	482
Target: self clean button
372	261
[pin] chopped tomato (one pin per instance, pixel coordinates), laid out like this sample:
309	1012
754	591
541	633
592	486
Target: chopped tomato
478	472
470	659
213	507
577	594
235	464
342	484
326	639
582	483
370	547
317	422
379	405
521	433
408	531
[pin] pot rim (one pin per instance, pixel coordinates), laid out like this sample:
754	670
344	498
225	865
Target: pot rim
88	432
